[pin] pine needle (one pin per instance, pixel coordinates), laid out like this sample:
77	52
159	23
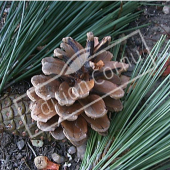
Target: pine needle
139	136
29	25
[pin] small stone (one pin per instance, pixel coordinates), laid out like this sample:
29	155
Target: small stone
165	28
20	144
57	158
37	143
72	150
19	156
77	167
166	9
81	151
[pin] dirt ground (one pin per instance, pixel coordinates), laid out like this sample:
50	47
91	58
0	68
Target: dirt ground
17	153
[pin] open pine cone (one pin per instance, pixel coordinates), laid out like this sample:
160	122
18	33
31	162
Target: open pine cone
78	78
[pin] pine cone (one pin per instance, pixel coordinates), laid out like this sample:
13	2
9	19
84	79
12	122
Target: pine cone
78	78
11	121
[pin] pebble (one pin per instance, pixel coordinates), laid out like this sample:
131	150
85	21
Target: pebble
20	144
19	156
77	167
166	28
57	158
81	151
72	150
37	143
166	9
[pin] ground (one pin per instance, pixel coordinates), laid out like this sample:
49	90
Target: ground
17	157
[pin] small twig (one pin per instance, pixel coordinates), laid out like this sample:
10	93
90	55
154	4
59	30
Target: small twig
31	149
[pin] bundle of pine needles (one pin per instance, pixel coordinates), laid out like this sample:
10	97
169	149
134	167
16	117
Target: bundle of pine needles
32	30
139	137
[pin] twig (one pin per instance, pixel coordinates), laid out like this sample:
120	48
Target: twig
31	149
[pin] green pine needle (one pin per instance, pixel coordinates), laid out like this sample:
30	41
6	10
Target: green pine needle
139	138
32	24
